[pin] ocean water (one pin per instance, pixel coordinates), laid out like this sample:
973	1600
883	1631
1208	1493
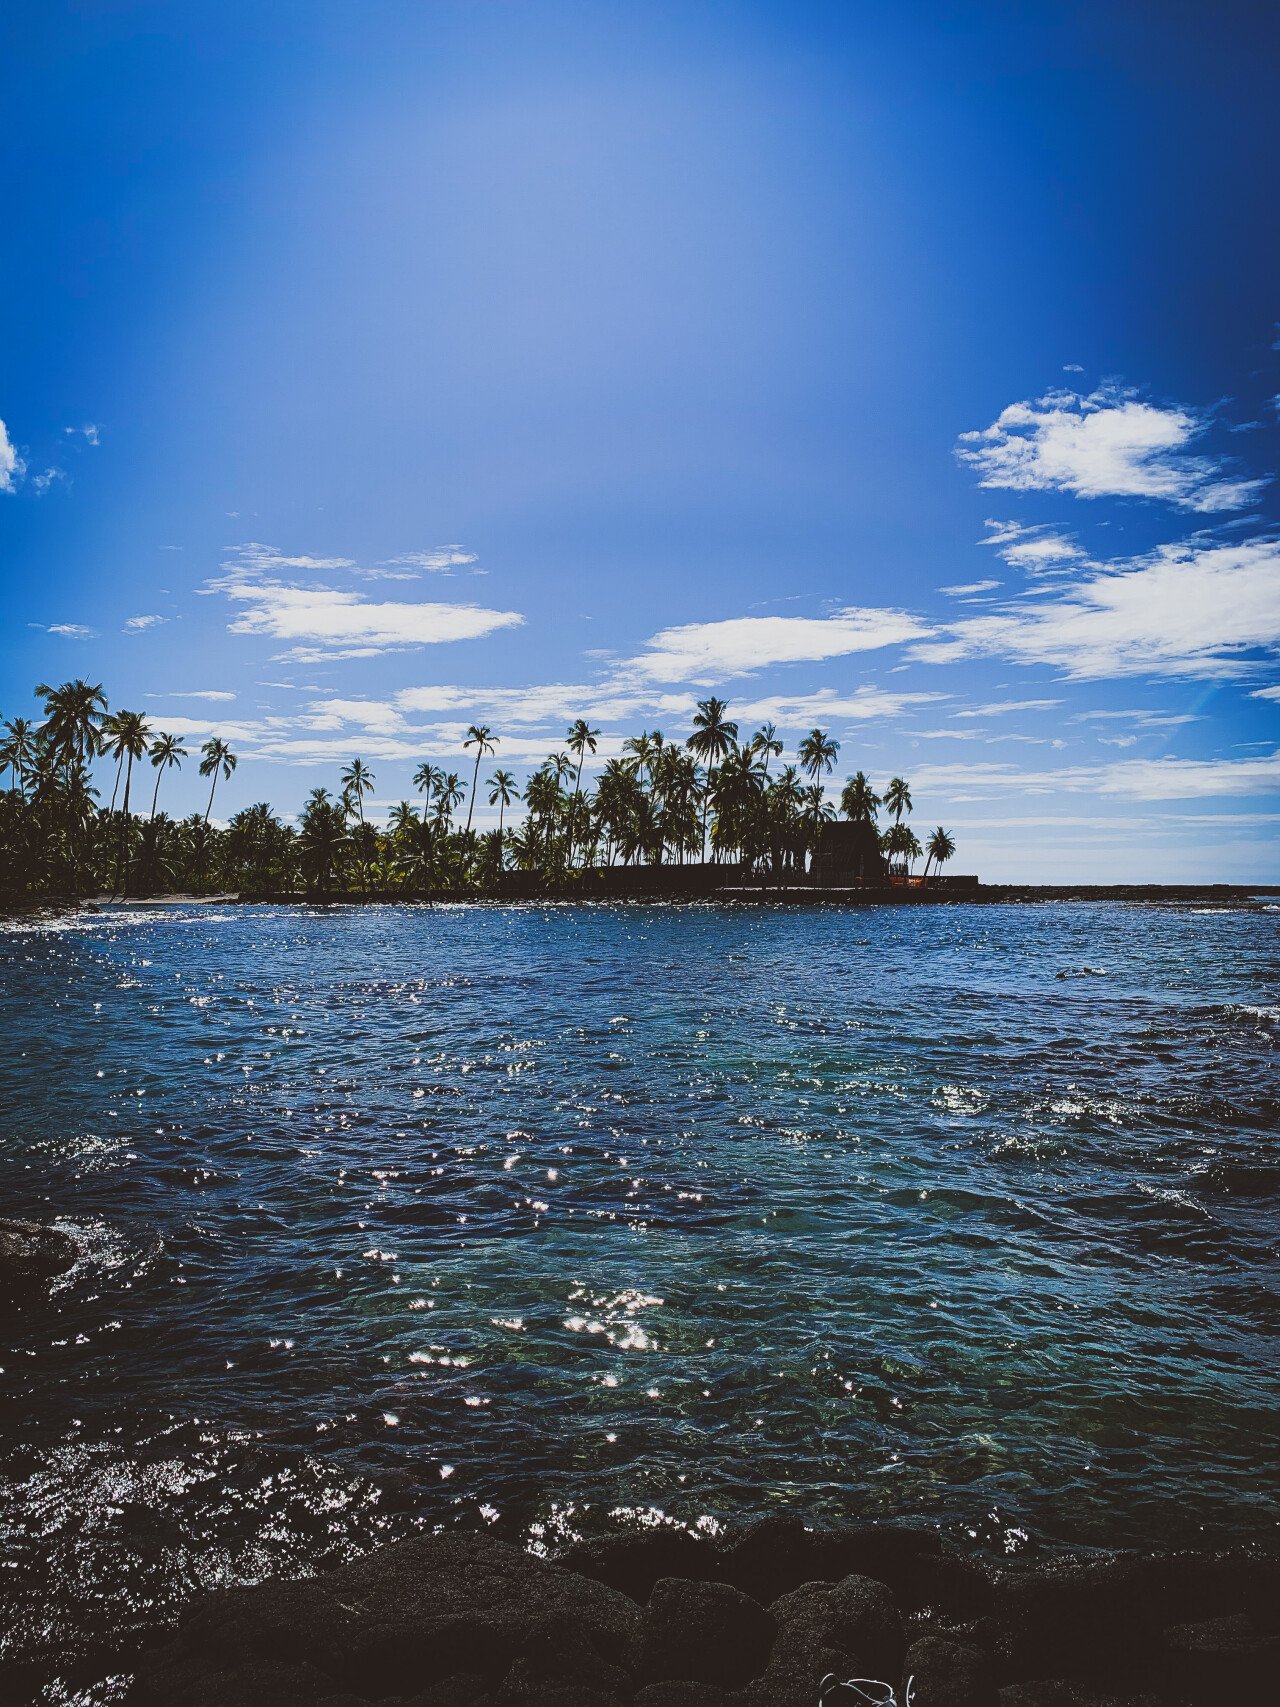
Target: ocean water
554	1219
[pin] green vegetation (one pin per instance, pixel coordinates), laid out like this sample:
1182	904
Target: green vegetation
659	803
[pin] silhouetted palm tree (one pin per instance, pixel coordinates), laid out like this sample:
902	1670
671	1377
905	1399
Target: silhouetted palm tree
18	751
939	848
482	738
581	740
502	791
165	753
897	798
765	740
714	738
73	714
216	757
859	801
129	738
356	781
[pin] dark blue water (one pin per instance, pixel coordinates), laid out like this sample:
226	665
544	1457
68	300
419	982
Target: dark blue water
551	1218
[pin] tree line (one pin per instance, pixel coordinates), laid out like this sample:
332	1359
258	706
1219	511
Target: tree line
712	795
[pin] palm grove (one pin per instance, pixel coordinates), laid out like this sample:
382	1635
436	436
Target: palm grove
660	802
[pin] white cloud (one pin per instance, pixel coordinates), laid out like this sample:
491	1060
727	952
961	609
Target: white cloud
438	562
551	704
1034	550
708	652
12	467
67	630
803	711
1194	609
967	588
89	432
135	624
1136	779
1266	693
196	693
1002	707
327	623
1108	443
42	482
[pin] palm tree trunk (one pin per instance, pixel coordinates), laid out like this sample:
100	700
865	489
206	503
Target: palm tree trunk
116	787
121	871
209	807
475	777
155	795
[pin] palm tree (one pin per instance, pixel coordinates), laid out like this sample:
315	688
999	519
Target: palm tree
859	801
425	778
129	741
356	781
502	791
817	754
449	793
73	715
765	740
216	756
165	752
17	751
714	737
482	738
402	820
897	798
581	740
939	848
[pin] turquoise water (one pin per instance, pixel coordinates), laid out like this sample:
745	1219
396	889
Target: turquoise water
551	1218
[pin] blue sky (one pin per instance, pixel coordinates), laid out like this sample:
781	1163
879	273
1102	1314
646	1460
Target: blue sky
373	369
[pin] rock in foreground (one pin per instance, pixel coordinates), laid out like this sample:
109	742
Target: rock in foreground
469	1621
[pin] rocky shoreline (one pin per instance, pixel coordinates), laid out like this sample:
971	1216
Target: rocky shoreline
666	1619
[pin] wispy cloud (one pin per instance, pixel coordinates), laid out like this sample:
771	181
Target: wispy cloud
1035	550
1137	779
12	467
709	652
1195	609
1108	443
66	630
196	693
324	622
1266	693
1003	707
441	561
966	589
89	432
803	711
136	624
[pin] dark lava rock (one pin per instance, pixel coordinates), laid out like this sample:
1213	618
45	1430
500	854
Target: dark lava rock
679	1693
704	1633
31	1255
1091	1618
633	1563
948	1674
406	1618
1061	1692
1221	1660
779	1554
851	1628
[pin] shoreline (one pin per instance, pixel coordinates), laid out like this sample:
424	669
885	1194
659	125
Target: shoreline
1260	897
